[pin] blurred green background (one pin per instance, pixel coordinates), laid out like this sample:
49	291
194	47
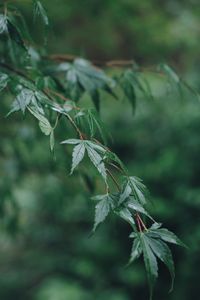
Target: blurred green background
46	217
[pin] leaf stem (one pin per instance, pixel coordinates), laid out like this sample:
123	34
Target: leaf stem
117	168
75	126
62	97
114	180
5	8
140	222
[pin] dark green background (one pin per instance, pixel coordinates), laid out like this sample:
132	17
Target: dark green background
46	216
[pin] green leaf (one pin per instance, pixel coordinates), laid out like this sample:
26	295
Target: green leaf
77	155
125	214
167	236
40	11
128	88
136	206
100	197
112	157
170	72
24	82
15	34
138	189
133	235
65	108
97	147
155	226
96	99
136	250
3	23
23	99
52	140
71	141
99	125
150	262
162	251
44	124
102	209
24	31
3	81
96	77
125	193
82	75
96	159
95	124
138	81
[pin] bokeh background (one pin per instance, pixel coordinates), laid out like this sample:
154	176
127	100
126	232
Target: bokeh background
46	217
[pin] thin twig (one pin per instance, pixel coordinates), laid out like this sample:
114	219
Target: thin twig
141	222
138	223
114	180
75	126
117	168
98	63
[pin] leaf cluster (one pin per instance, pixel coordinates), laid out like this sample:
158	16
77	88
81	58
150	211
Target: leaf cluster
50	92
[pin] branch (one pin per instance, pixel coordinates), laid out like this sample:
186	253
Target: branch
46	91
75	126
99	63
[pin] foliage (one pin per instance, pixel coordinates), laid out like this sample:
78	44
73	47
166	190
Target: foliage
39	88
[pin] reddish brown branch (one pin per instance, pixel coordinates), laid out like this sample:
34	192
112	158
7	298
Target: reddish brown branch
120	63
140	223
98	63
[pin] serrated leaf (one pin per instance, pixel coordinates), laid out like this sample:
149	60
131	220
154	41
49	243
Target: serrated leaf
97	147
155	226
162	251
15	34
96	159
71	141
141	83
40	11
23	27
112	157
63	109
44	124
96	99
99	197
77	155
3	23
62	67
52	140
4	78
95	124
150	262
82	76
125	193
125	214
102	209
24	82
138	189
170	72
136	250
136	206
168	236
127	85
42	97
23	99
133	235
96	76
